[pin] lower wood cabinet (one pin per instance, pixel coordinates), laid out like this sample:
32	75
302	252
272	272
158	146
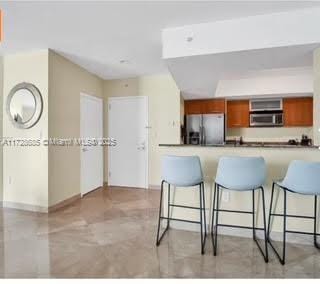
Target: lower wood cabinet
298	111
238	113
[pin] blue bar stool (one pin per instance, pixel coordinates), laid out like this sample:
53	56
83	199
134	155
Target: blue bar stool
240	174
182	172
301	178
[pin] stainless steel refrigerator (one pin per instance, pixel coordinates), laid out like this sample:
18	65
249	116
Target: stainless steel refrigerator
205	129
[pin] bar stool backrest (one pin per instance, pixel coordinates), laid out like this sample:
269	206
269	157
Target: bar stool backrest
303	177
181	170
241	173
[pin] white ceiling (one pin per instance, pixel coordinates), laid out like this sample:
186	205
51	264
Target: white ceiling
97	35
198	76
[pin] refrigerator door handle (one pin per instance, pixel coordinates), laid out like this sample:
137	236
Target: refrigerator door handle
203	135
201	131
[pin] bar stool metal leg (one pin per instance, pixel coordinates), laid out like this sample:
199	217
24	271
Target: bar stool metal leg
270	211
159	238
214	227
265	226
217	220
283	258
204	210
180	171
265	252
253	217
168	218
316	244
201	219
168	205
284	226
213	213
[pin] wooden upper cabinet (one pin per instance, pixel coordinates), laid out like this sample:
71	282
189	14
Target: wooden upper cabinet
238	113
193	107
204	106
214	106
298	111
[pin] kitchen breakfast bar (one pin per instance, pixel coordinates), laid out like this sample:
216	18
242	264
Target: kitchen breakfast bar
277	157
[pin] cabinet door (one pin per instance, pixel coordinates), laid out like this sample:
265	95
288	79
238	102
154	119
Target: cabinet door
298	111
204	106
238	113
214	106
193	107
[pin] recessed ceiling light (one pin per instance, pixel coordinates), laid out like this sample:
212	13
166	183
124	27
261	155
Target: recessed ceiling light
189	38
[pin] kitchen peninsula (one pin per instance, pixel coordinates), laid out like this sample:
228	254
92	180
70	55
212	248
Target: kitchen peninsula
279	150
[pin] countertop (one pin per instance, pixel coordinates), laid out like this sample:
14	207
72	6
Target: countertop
247	145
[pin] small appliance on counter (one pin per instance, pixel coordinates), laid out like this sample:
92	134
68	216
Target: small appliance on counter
305	141
194	138
239	141
205	129
293	142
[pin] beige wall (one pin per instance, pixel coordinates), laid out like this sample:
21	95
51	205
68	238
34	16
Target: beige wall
38	177
277	134
164	110
316	96
66	81
27	167
1	121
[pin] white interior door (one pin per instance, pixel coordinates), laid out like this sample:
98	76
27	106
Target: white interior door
128	160
91	126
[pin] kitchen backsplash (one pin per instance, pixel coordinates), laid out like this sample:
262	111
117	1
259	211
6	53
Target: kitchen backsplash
269	134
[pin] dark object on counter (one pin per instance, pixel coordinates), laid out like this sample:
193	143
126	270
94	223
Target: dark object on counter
305	141
194	138
292	142
238	141
183	134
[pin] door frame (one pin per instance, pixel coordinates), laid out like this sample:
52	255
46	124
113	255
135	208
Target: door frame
110	99
100	100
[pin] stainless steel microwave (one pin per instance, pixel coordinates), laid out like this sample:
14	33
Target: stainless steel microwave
266	119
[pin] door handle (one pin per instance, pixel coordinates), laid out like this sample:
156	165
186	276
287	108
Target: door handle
142	147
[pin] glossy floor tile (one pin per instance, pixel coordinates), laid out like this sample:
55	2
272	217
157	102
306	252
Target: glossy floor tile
111	233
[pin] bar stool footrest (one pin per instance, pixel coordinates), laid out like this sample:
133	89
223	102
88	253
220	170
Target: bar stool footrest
185	206
238	226
233	211
181	220
292	216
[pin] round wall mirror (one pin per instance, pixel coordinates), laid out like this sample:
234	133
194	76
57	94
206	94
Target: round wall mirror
24	105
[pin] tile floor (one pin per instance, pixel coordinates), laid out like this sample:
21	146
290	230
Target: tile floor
111	233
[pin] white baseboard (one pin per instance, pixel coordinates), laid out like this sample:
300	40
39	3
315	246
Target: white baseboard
23	206
154	187
244	233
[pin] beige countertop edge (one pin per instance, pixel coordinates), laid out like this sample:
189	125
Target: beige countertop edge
243	146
